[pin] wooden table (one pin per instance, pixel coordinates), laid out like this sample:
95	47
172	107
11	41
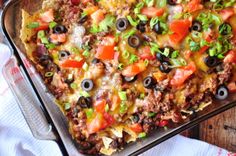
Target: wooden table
220	130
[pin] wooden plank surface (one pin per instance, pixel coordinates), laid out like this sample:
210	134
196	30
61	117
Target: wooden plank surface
220	130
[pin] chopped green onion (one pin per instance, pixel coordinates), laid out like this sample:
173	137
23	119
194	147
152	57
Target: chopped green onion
151	114
177	16
50	46
194	46
44	40
175	54
33	25
83	14
41	34
141	96
142	135
84	93
49	74
108	22
138	7
125	54
225	29
73	85
120	66
154	48
89	113
94	29
165	128
132	21
86	53
52	24
67	106
122	95
146	62
123	108
133	58
149	3
162	3
178	62
129	33
142	17
153	22
106	108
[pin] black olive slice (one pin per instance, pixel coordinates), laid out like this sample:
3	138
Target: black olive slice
59	29
122	24
160	57
134	41
211	61
141	27
149	82
95	61
222	92
83	19
84	102
165	67
157	28
63	54
196	26
87	85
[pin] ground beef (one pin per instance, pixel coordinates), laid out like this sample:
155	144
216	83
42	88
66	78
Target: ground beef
152	100
166	103
148	124
225	74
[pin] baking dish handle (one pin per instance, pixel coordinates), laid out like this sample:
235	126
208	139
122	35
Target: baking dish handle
27	100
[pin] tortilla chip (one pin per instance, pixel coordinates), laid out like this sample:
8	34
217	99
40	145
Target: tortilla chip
26	34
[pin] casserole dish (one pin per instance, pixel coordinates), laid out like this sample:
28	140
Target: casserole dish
11	22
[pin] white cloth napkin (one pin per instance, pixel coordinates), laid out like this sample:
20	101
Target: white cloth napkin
17	140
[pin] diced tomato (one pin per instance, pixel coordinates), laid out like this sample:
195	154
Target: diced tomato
180	29
72	64
145	53
136	128
47	16
203	49
226	13
163	123
96	124
109	119
42	26
100	105
58	38
232	87
183	74
97	16
134	69
75	2
152	11
194	5
105	52
230	57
